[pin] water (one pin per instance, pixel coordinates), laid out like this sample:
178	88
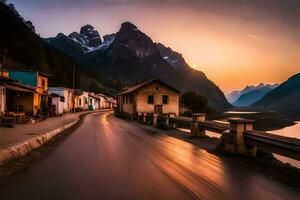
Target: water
291	131
241	112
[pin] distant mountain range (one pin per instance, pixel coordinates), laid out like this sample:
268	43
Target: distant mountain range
285	96
250	94
130	56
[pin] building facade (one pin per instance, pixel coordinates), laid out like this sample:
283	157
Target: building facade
2	99
83	101
93	101
35	79
66	97
152	96
16	97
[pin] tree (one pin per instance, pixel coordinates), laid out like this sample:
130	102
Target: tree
196	102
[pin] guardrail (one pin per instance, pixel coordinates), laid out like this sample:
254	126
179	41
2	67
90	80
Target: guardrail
238	135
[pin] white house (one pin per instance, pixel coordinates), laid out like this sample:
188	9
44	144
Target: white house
106	102
94	101
66	95
102	99
58	103
83	100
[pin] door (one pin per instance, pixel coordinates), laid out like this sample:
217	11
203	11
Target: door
158	109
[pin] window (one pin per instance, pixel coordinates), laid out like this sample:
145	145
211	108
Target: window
165	99
85	100
130	99
79	102
91	101
62	99
123	99
43	82
150	99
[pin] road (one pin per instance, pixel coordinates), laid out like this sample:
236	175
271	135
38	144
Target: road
109	158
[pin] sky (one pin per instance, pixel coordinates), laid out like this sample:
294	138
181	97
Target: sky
234	42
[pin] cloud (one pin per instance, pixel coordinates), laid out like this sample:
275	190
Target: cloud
258	37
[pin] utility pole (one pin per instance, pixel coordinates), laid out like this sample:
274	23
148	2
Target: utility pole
2	59
73	88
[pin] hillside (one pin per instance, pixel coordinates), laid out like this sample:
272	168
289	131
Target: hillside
287	95
130	56
26	50
253	96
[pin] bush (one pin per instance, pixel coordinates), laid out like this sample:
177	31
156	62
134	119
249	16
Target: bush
196	102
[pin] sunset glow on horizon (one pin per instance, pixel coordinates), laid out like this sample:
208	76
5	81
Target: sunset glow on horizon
234	44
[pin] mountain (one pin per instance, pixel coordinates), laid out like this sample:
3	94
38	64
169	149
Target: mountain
235	95
241	98
130	56
250	97
285	96
27	51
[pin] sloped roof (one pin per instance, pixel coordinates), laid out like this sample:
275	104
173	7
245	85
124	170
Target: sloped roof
93	95
16	86
145	83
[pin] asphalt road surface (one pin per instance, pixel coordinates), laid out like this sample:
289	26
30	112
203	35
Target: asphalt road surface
109	158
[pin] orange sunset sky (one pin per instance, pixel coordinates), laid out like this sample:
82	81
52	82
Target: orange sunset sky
236	43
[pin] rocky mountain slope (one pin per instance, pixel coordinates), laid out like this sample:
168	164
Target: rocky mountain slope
27	51
130	56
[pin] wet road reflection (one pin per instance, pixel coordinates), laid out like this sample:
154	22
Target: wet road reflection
109	158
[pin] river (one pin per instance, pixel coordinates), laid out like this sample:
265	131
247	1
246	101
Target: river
290	131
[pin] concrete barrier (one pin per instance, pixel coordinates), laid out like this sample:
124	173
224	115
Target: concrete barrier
196	130
22	148
233	140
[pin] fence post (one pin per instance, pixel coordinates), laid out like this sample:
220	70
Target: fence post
233	139
196	130
155	116
139	116
171	124
145	118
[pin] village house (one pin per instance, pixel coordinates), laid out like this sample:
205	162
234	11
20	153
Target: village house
106	102
94	101
102	98
149	97
35	79
57	103
16	100
82	101
65	98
